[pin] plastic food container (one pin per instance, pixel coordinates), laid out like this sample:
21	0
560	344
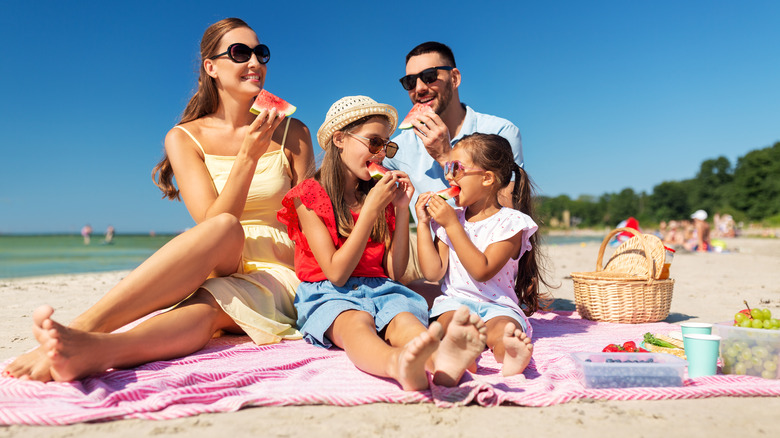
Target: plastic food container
627	370
755	352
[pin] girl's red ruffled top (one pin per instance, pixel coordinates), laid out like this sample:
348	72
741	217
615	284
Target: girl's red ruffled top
314	197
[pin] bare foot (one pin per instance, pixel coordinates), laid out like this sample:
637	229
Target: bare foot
33	365
73	353
518	350
413	357
462	344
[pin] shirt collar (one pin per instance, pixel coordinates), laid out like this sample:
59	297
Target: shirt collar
469	124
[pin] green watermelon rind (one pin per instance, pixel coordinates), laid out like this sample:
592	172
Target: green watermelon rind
445	195
377	173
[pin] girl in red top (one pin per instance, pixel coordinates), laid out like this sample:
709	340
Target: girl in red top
351	242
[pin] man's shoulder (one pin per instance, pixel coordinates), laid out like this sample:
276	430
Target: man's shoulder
490	119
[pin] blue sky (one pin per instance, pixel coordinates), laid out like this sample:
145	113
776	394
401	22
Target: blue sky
607	94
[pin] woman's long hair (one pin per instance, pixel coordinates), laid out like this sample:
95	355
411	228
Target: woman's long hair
494	153
204	101
331	177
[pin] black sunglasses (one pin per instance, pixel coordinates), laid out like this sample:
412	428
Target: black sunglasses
429	75
376	144
240	53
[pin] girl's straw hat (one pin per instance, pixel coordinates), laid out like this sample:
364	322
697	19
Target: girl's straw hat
348	109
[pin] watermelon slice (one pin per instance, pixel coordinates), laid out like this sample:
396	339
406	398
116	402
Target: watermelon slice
376	170
418	108
266	100
449	193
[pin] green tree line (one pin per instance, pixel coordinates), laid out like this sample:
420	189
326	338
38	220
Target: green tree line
749	191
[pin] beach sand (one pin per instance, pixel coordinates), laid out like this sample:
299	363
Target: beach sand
709	287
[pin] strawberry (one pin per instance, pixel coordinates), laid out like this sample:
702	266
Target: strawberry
629	346
612	348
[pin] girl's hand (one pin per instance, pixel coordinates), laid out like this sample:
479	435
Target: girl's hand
258	138
442	212
384	192
405	191
423	217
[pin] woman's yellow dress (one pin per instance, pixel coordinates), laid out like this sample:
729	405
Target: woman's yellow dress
260	298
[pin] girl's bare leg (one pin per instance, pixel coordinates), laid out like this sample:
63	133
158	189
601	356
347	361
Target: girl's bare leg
510	345
355	332
75	354
167	277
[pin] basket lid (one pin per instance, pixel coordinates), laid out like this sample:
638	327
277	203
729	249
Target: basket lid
630	258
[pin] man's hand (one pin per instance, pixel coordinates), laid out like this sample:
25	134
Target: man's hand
430	128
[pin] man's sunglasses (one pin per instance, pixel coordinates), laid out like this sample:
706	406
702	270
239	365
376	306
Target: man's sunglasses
240	53
428	76
458	169
377	144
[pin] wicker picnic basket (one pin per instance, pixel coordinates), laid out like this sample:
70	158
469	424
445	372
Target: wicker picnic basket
627	290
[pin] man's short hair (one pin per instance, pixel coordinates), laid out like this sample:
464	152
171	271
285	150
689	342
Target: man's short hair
433	47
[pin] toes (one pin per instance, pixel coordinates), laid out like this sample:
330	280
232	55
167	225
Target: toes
509	330
436	330
42	314
461	316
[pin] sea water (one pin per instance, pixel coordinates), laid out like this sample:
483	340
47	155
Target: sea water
36	255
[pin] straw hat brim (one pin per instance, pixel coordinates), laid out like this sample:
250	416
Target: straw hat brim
337	121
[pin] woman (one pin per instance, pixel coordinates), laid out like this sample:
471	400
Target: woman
229	165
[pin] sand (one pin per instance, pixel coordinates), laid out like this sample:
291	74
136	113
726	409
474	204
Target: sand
709	287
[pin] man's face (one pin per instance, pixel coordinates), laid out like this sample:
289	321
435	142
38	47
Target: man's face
439	93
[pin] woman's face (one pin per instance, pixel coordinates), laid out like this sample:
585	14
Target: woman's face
247	76
355	153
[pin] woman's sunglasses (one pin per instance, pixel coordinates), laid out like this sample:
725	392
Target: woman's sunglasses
240	53
428	76
376	145
458	169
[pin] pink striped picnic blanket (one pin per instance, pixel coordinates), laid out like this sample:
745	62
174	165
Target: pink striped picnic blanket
232	373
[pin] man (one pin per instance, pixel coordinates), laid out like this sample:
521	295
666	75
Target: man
432	78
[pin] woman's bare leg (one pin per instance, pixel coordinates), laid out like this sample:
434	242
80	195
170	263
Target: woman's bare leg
355	332
75	354
167	277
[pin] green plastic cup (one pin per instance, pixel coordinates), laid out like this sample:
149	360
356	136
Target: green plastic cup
696	328
702	353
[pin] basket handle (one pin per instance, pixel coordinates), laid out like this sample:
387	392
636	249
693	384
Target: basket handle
650	261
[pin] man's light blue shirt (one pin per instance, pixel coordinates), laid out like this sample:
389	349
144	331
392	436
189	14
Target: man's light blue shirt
426	174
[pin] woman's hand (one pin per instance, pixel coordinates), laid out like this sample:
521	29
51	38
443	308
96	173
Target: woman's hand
258	138
442	212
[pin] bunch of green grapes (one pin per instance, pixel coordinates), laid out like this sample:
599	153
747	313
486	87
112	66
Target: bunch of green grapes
740	357
756	318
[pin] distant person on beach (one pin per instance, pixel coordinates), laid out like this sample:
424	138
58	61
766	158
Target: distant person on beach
109	235
232	169
432	79
700	239
487	254
351	241
86	233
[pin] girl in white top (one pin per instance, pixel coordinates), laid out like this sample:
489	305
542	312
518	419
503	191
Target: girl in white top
486	253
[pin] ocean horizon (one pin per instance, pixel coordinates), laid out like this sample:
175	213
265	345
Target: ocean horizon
33	255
